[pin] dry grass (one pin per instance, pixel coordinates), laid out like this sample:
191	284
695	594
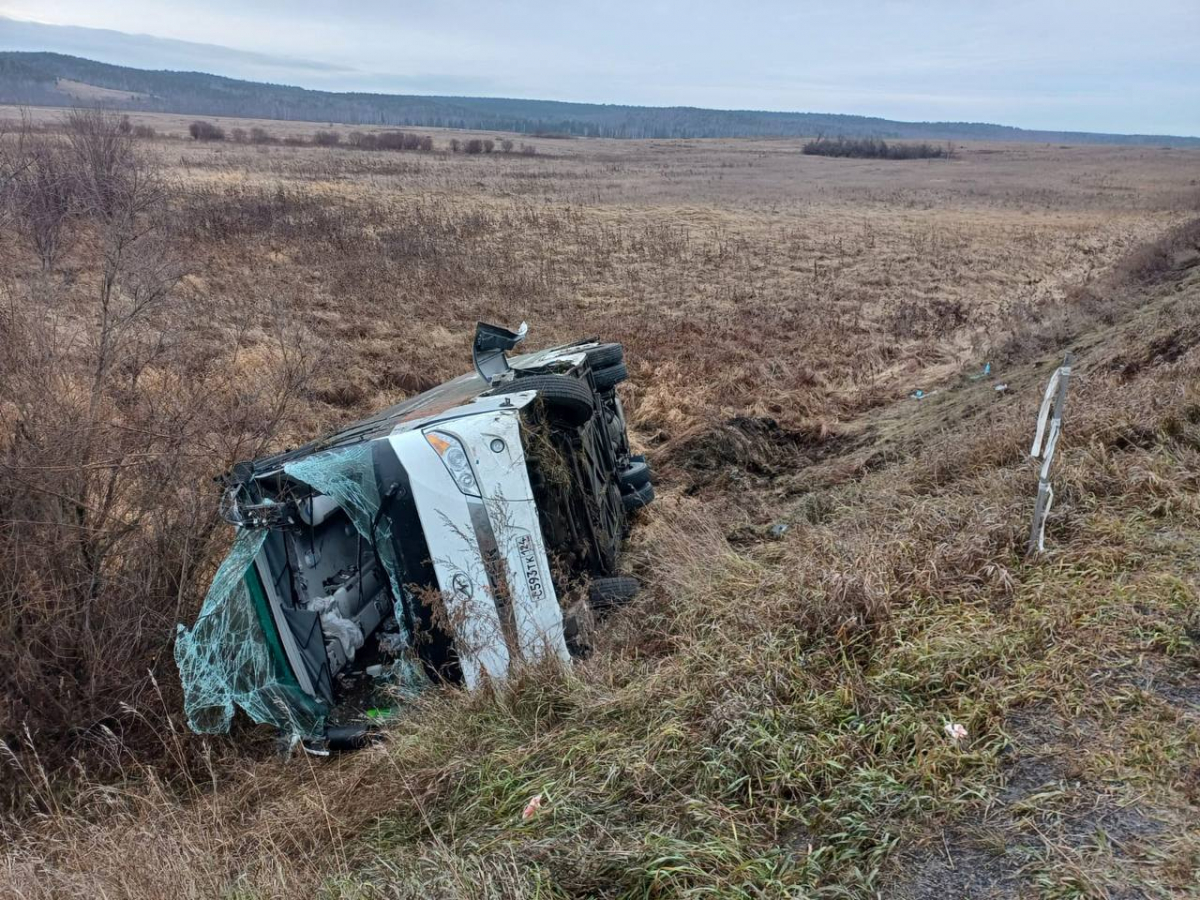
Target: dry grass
768	720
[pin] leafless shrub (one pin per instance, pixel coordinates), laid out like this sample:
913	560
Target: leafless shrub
106	445
260	136
473	146
238	135
113	182
145	132
206	131
327	138
40	194
506	146
455	145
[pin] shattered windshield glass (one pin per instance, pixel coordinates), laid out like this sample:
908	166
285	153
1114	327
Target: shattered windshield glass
231	657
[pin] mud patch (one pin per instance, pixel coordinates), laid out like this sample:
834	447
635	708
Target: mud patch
1177	685
963	865
343	395
756	446
409	383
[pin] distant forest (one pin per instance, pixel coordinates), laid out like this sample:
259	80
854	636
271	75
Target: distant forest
34	79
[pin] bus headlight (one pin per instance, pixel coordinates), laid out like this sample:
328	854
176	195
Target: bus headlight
454	457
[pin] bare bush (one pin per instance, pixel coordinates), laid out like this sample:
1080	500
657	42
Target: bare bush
260	136
206	131
238	135
111	429
145	132
506	146
113	182
40	192
327	138
474	145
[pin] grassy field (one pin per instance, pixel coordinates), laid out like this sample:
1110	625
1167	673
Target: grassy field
769	719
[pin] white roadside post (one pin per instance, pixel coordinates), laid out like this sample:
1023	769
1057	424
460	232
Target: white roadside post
1056	396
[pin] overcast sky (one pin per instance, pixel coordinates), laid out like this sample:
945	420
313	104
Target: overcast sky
1099	65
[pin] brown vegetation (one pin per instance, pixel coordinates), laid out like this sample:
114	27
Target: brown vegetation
113	422
769	719
391	140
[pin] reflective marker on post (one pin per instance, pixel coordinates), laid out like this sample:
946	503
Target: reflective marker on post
1056	394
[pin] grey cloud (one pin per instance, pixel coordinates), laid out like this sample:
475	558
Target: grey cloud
149	52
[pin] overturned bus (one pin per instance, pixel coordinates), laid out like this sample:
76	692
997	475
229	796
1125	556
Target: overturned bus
436	541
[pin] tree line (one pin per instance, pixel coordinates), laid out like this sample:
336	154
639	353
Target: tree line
35	79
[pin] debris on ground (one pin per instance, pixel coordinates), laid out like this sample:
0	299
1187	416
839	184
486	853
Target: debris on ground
982	374
532	807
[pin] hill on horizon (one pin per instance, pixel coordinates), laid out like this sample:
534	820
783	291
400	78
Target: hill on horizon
54	79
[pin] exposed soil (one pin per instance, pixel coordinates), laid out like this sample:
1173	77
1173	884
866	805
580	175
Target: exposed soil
741	446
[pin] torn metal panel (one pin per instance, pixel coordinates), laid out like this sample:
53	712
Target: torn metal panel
488	349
